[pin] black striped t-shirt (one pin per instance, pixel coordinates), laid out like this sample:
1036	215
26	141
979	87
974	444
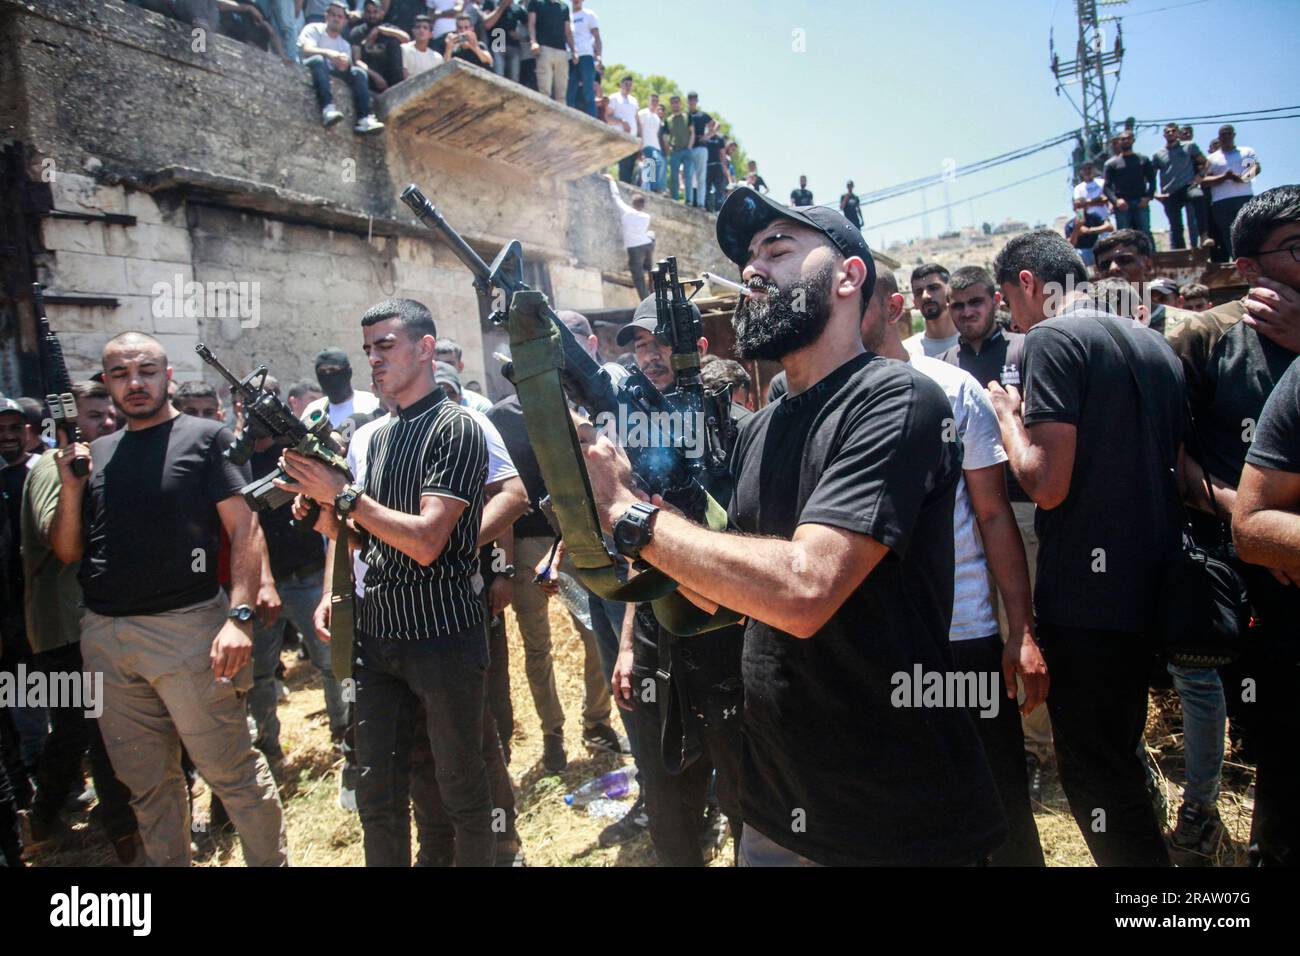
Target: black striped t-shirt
433	447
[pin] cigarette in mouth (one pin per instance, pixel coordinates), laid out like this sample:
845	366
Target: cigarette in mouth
727	283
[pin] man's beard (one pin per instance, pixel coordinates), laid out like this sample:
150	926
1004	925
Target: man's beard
931	311
150	412
772	328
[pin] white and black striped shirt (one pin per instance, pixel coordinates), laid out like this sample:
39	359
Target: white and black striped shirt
430	448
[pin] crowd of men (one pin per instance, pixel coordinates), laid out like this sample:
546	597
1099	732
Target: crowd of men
1208	190
989	504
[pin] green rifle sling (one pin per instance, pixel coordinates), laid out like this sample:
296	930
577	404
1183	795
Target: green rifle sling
342	607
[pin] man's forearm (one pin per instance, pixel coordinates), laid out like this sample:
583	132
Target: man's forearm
770	579
413	535
247	552
1026	460
1005	552
65	527
1269	537
507	504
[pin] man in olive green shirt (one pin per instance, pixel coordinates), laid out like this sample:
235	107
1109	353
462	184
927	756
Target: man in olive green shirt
53	610
679	134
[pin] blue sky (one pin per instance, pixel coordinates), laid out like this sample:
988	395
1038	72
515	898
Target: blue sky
887	91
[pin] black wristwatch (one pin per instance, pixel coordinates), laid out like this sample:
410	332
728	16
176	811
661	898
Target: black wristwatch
346	499
242	613
635	529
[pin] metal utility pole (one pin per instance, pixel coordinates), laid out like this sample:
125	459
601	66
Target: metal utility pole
1092	64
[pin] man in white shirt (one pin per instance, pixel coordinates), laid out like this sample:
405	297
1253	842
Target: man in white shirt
987	540
623	114
586	45
1231	170
638	238
649	123
1089	194
418	56
334	372
449	351
930	296
326	52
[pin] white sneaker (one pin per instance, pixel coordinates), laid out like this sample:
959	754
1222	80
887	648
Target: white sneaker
368	124
330	115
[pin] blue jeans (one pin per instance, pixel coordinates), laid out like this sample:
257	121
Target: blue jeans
679	159
582	85
1133	217
607	625
696	184
446	676
287	24
357	78
299	596
1205	714
660	182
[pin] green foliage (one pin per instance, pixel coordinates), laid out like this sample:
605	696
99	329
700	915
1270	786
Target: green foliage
644	85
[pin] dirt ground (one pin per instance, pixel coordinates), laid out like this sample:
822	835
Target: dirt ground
553	834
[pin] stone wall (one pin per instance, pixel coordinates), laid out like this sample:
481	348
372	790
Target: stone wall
219	154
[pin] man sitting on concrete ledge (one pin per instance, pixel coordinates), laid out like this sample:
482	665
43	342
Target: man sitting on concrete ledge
325	52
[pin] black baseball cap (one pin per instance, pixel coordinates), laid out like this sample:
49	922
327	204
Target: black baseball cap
332	356
645	317
747	211
9	407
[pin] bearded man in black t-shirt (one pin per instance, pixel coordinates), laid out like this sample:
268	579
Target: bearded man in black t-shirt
841	558
145	525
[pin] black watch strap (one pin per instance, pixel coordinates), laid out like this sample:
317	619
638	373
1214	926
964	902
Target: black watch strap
634	530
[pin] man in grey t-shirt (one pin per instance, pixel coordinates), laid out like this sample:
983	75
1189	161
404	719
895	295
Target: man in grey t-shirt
1176	165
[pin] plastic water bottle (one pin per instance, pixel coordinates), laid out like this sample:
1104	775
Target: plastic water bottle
611	786
575	598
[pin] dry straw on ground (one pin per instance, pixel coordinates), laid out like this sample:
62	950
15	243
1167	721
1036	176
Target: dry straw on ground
321	834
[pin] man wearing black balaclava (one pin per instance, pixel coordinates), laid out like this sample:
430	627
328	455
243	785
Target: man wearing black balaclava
334	372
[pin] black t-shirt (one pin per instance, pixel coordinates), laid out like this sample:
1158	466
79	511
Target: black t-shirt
1092	220
384	56
700	120
551	18
1277	437
851	206
292	551
506	26
999	361
1101	550
150	519
1230	371
801	197
508	417
714	144
402	13
831	769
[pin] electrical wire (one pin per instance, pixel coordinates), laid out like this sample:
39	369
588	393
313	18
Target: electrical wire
966	199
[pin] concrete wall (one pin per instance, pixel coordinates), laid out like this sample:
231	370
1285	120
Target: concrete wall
217	149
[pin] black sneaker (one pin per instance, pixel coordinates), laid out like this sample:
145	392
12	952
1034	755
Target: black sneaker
1198	835
605	739
554	759
635	822
1034	769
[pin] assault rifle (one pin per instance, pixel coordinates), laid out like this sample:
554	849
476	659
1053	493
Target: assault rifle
664	469
266	416
58	386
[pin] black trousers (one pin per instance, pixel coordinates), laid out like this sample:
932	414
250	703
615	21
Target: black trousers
394	679
710	666
627	167
640	260
1174	207
10	848
1098	704
72	736
1004	747
1224	212
434	829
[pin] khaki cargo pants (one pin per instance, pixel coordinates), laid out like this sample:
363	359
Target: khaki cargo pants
160	692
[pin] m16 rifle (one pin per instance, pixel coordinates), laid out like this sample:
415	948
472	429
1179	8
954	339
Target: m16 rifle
58	386
671	474
681	329
266	416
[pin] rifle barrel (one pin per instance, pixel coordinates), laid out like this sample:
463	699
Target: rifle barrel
428	214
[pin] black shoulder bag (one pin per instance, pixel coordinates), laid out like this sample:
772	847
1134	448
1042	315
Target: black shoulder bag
1202	609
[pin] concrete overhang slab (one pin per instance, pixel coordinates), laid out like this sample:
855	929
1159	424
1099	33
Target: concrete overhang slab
463	107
